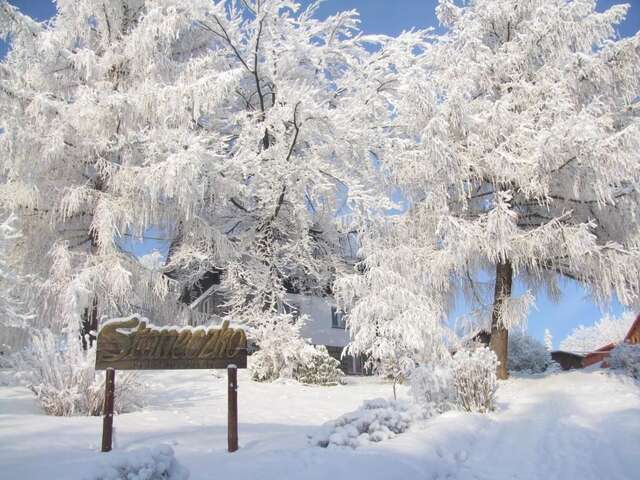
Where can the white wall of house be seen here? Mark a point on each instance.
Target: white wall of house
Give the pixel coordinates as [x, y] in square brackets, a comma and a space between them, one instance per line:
[318, 328]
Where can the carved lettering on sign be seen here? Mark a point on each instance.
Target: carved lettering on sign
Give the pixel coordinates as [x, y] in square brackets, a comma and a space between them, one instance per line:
[131, 344]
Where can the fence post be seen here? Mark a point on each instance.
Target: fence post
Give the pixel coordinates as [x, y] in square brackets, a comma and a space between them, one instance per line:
[107, 420]
[232, 426]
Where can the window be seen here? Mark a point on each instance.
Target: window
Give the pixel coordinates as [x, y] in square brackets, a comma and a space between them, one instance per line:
[337, 318]
[208, 305]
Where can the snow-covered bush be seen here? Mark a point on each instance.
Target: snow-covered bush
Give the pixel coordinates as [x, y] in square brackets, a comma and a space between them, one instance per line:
[284, 354]
[526, 354]
[64, 380]
[474, 379]
[468, 381]
[157, 463]
[626, 357]
[279, 344]
[318, 367]
[308, 364]
[374, 421]
[432, 387]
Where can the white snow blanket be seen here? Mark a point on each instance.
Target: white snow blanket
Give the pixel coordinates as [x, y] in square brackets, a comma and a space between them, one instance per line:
[582, 425]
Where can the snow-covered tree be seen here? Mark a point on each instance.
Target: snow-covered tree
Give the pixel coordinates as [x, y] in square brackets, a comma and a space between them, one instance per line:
[518, 151]
[15, 291]
[626, 356]
[14, 308]
[242, 129]
[527, 354]
[548, 340]
[304, 125]
[100, 110]
[605, 331]
[152, 261]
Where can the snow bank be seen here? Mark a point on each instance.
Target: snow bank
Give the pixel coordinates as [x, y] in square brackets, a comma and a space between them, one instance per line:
[157, 463]
[375, 421]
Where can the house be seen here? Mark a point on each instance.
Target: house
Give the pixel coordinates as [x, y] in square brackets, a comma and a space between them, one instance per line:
[325, 325]
[568, 360]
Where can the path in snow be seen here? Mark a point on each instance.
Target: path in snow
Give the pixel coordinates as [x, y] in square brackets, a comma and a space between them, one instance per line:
[576, 425]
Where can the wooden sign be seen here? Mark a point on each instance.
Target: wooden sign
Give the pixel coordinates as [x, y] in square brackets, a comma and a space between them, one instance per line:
[131, 344]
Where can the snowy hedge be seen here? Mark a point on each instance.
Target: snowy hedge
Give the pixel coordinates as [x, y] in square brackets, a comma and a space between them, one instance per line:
[467, 381]
[157, 463]
[526, 354]
[284, 354]
[317, 367]
[374, 421]
[308, 364]
[432, 387]
[63, 378]
[626, 357]
[474, 379]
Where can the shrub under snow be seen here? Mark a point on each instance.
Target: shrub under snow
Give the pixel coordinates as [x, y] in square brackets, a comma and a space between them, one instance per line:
[474, 379]
[526, 354]
[65, 382]
[626, 357]
[284, 354]
[375, 421]
[432, 387]
[157, 463]
[318, 367]
[468, 381]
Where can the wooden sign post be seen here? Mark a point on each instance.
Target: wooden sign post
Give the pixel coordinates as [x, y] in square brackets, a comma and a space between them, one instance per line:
[131, 344]
[232, 408]
[107, 421]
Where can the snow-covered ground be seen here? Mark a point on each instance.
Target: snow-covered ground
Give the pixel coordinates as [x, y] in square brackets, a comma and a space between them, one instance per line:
[576, 425]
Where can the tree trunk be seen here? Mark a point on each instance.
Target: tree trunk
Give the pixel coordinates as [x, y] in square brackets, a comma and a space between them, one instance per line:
[89, 327]
[90, 315]
[499, 334]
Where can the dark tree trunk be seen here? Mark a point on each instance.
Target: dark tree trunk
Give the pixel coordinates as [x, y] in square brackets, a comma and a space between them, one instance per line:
[499, 334]
[89, 327]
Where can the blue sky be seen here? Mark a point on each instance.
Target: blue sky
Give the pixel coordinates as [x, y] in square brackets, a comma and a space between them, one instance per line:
[392, 17]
